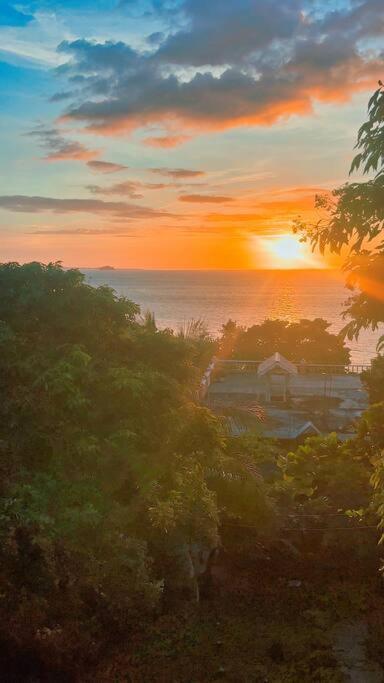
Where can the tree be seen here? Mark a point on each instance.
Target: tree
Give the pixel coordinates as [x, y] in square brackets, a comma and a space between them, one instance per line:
[374, 379]
[327, 472]
[230, 333]
[326, 497]
[95, 419]
[371, 429]
[307, 340]
[354, 220]
[105, 463]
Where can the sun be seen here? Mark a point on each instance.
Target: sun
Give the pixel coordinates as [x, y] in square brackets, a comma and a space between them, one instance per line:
[286, 251]
[286, 248]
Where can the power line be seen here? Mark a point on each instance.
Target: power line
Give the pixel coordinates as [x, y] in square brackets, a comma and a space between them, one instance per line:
[340, 528]
[335, 528]
[318, 514]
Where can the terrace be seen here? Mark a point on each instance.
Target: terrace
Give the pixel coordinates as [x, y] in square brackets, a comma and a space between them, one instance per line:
[285, 400]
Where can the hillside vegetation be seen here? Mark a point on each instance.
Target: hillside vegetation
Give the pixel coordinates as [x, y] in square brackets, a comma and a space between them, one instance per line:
[123, 501]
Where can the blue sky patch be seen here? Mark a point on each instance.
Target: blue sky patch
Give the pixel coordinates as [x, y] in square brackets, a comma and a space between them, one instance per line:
[10, 16]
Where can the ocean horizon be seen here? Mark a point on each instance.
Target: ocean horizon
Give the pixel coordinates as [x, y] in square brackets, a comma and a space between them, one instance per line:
[247, 296]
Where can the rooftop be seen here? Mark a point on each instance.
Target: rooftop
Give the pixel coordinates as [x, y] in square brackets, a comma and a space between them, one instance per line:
[314, 403]
[276, 363]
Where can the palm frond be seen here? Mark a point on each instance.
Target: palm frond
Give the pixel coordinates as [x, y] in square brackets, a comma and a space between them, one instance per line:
[148, 321]
[193, 329]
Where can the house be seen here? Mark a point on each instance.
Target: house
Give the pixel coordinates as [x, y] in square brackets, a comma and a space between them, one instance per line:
[275, 397]
[275, 372]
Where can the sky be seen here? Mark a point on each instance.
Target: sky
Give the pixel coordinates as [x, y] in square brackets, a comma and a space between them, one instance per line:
[178, 133]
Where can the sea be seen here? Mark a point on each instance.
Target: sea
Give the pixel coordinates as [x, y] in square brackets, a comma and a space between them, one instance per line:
[248, 297]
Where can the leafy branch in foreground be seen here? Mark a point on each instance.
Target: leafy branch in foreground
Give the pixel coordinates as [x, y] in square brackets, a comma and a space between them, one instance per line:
[354, 224]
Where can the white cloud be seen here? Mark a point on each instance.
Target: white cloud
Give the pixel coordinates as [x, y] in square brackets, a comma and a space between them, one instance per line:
[36, 42]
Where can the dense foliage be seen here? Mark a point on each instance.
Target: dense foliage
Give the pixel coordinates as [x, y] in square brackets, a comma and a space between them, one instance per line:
[307, 340]
[118, 488]
[354, 220]
[374, 379]
[113, 479]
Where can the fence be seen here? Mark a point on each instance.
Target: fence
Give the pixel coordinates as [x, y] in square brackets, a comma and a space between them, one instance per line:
[303, 367]
[236, 366]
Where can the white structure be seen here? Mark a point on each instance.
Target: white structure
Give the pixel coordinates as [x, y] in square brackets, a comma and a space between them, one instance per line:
[206, 380]
[296, 399]
[276, 372]
[308, 429]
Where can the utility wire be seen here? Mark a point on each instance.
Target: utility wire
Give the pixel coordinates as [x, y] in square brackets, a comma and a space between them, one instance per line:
[340, 528]
[319, 514]
[336, 528]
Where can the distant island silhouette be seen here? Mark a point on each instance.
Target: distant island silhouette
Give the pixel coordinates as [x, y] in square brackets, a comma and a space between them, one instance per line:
[106, 268]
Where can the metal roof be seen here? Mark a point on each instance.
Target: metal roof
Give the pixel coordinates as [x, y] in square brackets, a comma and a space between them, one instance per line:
[276, 362]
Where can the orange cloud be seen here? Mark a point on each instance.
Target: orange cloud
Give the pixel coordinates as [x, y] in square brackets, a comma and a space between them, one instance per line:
[178, 173]
[204, 199]
[166, 141]
[75, 153]
[274, 211]
[105, 166]
[59, 147]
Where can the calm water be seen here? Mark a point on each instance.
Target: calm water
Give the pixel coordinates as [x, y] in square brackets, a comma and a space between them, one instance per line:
[245, 296]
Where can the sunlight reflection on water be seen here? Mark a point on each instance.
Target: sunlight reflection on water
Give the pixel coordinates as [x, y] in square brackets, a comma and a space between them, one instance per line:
[284, 305]
[248, 297]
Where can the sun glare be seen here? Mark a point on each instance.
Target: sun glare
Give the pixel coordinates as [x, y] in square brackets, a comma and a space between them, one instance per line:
[286, 251]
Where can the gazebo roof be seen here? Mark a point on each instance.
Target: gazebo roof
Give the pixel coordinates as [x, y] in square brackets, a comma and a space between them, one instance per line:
[308, 429]
[276, 362]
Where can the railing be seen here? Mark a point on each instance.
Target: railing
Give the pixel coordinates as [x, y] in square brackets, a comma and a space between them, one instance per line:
[303, 368]
[237, 365]
[252, 365]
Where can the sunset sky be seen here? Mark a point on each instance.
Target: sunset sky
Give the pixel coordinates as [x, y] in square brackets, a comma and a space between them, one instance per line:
[177, 133]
